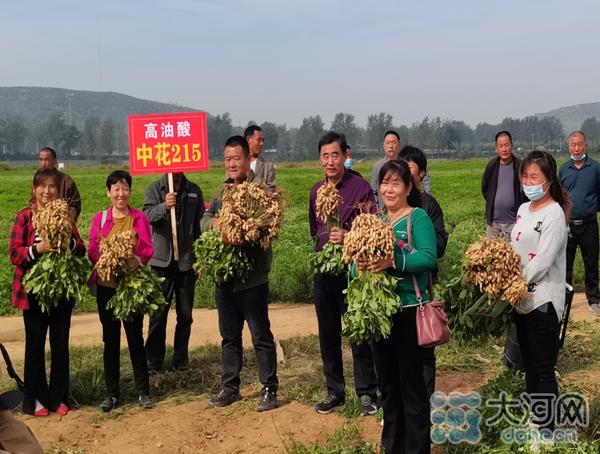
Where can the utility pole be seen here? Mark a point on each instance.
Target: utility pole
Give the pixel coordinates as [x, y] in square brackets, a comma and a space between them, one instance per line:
[532, 141]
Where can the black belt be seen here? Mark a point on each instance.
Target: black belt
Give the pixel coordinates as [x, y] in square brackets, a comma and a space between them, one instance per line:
[590, 218]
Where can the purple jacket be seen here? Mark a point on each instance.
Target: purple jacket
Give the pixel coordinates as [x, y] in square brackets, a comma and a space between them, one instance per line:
[357, 196]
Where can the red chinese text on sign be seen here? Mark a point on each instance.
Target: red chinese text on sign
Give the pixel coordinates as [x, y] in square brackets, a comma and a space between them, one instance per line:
[170, 142]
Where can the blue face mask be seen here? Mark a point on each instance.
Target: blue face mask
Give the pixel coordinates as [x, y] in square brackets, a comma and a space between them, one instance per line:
[348, 163]
[581, 158]
[535, 192]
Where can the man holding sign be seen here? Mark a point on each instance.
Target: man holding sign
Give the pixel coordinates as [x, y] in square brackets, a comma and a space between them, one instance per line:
[170, 144]
[180, 279]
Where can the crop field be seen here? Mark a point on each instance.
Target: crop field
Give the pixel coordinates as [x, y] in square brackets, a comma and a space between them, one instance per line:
[456, 186]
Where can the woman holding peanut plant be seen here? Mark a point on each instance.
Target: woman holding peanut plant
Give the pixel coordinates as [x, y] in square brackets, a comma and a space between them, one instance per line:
[540, 237]
[31, 241]
[118, 225]
[398, 358]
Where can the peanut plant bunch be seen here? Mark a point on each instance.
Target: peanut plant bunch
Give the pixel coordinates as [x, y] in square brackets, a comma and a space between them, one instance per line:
[370, 239]
[495, 269]
[114, 252]
[327, 205]
[372, 301]
[251, 213]
[53, 224]
[329, 260]
[371, 297]
[138, 291]
[57, 275]
[219, 261]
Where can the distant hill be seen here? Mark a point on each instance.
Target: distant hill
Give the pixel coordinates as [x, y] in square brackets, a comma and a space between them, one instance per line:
[35, 103]
[571, 117]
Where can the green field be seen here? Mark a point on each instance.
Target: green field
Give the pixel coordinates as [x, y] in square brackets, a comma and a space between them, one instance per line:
[456, 185]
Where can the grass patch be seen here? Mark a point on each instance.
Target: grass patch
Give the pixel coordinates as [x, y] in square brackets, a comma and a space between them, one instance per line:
[471, 357]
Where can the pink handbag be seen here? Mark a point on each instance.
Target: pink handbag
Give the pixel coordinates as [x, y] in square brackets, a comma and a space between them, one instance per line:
[432, 321]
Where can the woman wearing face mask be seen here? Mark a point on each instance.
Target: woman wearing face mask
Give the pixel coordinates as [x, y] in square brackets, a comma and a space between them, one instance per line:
[540, 238]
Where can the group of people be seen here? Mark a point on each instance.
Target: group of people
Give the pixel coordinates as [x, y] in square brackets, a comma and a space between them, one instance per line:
[544, 231]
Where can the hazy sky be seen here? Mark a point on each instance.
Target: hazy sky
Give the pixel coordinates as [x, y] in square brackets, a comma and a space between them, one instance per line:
[478, 60]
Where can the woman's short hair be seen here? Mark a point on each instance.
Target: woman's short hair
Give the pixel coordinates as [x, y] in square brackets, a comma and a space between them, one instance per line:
[116, 176]
[400, 169]
[44, 173]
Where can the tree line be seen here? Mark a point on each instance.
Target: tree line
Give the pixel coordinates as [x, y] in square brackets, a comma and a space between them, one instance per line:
[100, 138]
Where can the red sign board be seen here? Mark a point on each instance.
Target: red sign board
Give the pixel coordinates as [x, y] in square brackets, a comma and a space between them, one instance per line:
[170, 142]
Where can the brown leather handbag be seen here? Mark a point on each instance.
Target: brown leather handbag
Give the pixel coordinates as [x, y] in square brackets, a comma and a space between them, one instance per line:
[432, 321]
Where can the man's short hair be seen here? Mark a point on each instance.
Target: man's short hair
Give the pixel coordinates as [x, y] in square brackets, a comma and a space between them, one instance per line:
[391, 131]
[503, 133]
[577, 133]
[332, 137]
[239, 141]
[118, 175]
[250, 130]
[51, 150]
[414, 154]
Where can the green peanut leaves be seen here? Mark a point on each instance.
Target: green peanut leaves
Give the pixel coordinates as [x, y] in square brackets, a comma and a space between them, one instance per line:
[372, 301]
[329, 260]
[139, 292]
[220, 261]
[57, 276]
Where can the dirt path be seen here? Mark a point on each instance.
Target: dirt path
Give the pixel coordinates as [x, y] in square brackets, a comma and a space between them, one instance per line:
[287, 320]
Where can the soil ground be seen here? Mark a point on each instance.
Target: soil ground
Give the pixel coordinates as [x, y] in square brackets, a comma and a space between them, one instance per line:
[189, 426]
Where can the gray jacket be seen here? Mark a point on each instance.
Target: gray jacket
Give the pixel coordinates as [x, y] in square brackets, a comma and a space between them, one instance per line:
[261, 259]
[188, 224]
[265, 171]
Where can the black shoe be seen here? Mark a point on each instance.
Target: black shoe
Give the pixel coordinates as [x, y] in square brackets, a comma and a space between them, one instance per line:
[181, 367]
[330, 404]
[268, 401]
[367, 405]
[145, 401]
[108, 404]
[224, 398]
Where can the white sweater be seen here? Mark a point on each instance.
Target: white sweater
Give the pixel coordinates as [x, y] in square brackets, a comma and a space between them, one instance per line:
[540, 239]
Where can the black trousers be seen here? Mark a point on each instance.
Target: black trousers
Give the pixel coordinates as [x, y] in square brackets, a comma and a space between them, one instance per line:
[586, 237]
[330, 305]
[233, 308]
[538, 334]
[182, 285]
[429, 370]
[406, 408]
[37, 325]
[111, 336]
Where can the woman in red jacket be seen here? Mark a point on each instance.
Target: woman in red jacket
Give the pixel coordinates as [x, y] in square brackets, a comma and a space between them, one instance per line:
[25, 248]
